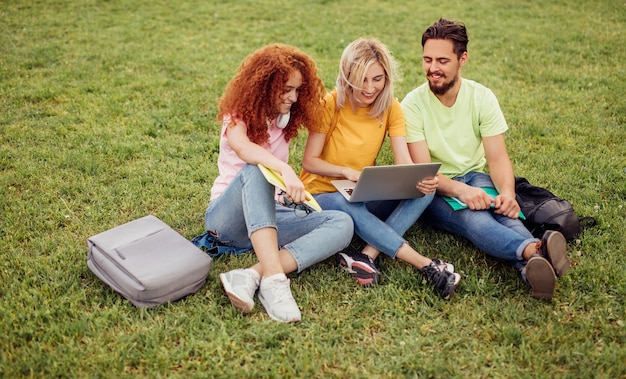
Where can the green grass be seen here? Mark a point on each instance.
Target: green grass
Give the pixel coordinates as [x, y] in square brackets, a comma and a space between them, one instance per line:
[107, 113]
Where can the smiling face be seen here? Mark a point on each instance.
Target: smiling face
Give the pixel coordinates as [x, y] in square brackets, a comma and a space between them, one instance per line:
[290, 94]
[373, 84]
[441, 65]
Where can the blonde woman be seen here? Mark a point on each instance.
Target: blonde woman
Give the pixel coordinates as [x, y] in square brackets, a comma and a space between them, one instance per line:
[359, 113]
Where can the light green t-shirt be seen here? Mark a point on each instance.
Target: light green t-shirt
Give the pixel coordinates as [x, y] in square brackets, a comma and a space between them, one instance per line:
[454, 134]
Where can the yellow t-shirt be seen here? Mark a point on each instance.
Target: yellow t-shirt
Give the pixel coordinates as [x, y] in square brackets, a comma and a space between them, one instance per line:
[355, 141]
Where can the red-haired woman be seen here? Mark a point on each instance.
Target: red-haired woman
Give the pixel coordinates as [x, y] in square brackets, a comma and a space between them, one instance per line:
[275, 93]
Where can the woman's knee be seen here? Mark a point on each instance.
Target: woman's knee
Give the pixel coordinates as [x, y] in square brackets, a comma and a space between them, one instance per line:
[340, 225]
[251, 173]
[345, 223]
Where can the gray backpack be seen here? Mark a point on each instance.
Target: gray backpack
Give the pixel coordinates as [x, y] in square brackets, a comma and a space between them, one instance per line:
[147, 262]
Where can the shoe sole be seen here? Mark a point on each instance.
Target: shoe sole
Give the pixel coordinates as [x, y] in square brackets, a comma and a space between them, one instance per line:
[275, 318]
[272, 316]
[364, 274]
[453, 282]
[540, 276]
[238, 302]
[556, 246]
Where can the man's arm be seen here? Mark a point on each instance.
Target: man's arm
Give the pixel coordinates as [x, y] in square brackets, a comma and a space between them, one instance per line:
[501, 172]
[444, 185]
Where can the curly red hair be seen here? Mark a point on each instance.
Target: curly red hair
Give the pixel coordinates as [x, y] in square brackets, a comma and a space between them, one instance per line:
[251, 96]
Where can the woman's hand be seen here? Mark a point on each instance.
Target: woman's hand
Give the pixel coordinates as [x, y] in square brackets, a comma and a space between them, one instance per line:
[295, 188]
[428, 185]
[350, 174]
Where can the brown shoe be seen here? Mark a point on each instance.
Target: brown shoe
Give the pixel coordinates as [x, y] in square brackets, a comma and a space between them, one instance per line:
[540, 276]
[554, 247]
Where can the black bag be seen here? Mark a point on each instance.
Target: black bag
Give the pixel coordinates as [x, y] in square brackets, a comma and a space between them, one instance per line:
[546, 211]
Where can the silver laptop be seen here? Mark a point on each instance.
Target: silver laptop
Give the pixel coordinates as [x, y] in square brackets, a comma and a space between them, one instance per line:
[391, 182]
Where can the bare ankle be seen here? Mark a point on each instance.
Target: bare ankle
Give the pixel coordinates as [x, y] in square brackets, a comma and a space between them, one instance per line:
[530, 250]
[370, 251]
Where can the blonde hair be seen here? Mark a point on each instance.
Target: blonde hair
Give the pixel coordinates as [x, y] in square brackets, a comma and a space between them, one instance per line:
[356, 59]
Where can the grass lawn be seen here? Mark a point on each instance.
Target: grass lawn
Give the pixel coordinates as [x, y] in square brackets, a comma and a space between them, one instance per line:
[107, 114]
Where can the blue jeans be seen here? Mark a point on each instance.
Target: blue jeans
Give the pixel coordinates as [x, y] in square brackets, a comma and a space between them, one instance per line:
[499, 236]
[248, 204]
[380, 224]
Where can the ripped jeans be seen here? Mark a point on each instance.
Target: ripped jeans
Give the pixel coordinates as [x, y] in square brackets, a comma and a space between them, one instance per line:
[248, 204]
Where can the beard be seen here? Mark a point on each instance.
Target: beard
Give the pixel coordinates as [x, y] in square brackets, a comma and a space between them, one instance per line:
[443, 88]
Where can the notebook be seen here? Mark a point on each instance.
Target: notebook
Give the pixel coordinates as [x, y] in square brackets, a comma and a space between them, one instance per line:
[274, 178]
[392, 182]
[457, 204]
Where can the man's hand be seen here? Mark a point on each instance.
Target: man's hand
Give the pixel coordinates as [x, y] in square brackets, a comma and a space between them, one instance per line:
[506, 205]
[476, 199]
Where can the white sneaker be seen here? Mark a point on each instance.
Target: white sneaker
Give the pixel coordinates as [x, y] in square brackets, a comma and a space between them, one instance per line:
[275, 295]
[240, 286]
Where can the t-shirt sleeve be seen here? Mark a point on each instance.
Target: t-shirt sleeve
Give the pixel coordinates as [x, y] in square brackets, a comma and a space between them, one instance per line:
[414, 121]
[491, 118]
[396, 120]
[329, 106]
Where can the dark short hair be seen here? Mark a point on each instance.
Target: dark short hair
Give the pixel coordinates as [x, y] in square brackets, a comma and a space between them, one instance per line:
[448, 29]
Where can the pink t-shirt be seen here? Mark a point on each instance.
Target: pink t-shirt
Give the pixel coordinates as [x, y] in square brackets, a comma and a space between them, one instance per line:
[229, 163]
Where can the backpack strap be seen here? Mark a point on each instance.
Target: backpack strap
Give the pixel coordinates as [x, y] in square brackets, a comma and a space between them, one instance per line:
[587, 222]
[209, 243]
